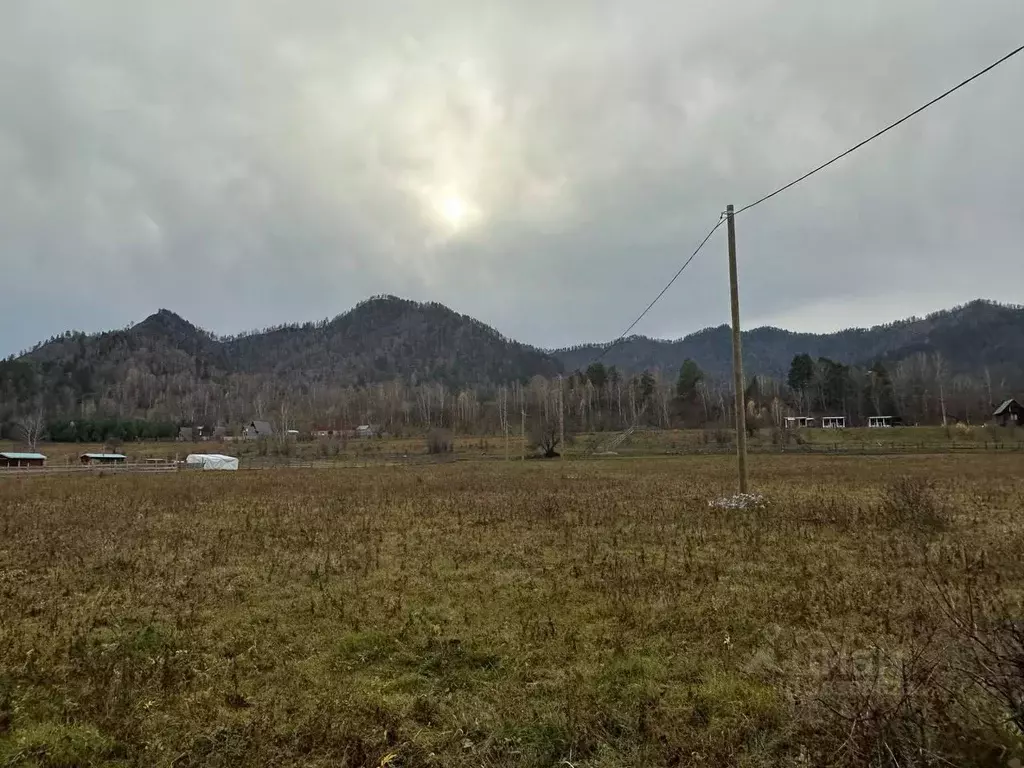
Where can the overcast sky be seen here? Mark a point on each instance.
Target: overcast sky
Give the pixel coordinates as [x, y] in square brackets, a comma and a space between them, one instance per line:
[543, 166]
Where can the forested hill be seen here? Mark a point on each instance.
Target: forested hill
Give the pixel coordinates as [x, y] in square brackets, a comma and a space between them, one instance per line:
[165, 367]
[165, 358]
[970, 339]
[390, 338]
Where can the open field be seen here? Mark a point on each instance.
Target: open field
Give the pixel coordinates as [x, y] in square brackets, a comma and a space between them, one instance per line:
[592, 613]
[644, 442]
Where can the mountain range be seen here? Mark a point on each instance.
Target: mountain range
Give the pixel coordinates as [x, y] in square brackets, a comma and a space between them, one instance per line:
[388, 338]
[970, 338]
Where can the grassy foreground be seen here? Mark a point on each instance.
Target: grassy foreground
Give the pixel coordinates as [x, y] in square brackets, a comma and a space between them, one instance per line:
[538, 614]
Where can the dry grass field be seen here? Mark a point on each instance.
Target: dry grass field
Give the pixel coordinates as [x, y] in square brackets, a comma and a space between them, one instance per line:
[575, 613]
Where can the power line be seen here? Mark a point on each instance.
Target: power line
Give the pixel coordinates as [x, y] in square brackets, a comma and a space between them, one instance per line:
[796, 181]
[657, 298]
[885, 130]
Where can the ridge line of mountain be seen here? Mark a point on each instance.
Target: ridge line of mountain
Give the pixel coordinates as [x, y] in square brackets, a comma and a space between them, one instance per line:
[386, 337]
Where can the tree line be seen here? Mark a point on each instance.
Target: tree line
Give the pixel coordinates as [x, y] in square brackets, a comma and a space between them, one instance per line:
[919, 390]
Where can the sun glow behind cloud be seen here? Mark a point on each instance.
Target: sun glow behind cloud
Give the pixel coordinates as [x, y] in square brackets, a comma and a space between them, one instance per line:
[454, 210]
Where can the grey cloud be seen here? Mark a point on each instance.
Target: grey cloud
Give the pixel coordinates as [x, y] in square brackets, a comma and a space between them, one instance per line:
[248, 163]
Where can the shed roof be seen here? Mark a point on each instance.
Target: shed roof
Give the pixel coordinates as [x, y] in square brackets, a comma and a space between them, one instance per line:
[104, 455]
[262, 427]
[1005, 407]
[16, 456]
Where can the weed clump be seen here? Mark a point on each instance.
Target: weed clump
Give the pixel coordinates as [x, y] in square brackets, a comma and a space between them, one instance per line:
[913, 503]
[53, 745]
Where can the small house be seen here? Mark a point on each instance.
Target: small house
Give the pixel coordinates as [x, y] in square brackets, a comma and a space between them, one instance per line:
[103, 458]
[799, 422]
[833, 422]
[16, 459]
[366, 430]
[185, 434]
[1009, 414]
[257, 430]
[879, 422]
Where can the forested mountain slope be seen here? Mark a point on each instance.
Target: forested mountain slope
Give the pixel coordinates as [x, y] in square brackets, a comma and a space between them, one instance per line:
[970, 338]
[163, 360]
[164, 367]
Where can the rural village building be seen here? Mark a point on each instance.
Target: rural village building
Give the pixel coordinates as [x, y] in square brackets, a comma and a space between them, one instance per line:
[799, 422]
[17, 459]
[256, 430]
[103, 458]
[1009, 413]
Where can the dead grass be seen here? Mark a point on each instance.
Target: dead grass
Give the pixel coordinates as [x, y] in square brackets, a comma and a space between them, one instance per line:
[538, 614]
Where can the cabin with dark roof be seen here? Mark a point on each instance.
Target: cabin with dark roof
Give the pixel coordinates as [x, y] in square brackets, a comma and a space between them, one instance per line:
[257, 430]
[103, 458]
[1009, 414]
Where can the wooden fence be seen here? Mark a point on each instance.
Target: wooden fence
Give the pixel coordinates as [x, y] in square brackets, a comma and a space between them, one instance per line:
[849, 448]
[90, 469]
[866, 448]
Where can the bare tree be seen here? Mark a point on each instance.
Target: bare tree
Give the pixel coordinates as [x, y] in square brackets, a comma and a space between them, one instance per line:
[29, 429]
[901, 381]
[940, 380]
[503, 414]
[544, 436]
[702, 392]
[286, 422]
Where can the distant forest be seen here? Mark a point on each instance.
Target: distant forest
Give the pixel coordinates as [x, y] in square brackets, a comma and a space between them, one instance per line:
[405, 366]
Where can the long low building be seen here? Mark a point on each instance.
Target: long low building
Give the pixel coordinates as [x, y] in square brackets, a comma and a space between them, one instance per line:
[18, 459]
[103, 458]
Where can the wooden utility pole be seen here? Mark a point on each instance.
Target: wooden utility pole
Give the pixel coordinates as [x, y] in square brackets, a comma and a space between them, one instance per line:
[737, 354]
[561, 418]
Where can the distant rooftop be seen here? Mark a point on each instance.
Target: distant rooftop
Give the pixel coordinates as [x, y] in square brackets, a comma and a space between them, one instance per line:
[104, 455]
[15, 456]
[1004, 407]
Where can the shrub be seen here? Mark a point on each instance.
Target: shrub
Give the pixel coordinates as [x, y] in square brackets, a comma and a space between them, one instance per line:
[985, 627]
[889, 709]
[964, 431]
[912, 502]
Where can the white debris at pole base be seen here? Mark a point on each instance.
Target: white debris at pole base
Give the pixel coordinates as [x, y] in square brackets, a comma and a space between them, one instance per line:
[740, 501]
